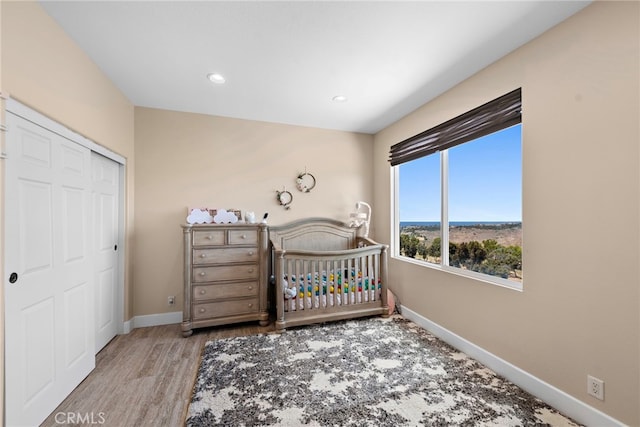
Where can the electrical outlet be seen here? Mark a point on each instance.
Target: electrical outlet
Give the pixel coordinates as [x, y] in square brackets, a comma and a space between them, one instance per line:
[171, 300]
[595, 387]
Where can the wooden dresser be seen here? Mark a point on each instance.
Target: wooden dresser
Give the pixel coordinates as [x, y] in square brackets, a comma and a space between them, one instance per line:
[225, 275]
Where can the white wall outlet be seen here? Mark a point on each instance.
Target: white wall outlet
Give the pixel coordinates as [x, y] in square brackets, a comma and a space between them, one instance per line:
[595, 387]
[171, 300]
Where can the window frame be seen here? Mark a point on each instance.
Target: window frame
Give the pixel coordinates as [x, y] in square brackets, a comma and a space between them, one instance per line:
[444, 195]
[395, 244]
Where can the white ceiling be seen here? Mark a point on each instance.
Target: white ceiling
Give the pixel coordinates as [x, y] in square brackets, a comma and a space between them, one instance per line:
[284, 61]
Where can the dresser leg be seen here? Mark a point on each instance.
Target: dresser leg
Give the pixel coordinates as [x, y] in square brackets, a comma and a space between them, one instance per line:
[186, 329]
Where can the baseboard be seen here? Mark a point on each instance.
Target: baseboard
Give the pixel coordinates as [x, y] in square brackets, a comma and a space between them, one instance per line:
[553, 396]
[152, 320]
[126, 326]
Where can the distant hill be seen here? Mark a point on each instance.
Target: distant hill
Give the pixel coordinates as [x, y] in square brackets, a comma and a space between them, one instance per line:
[506, 234]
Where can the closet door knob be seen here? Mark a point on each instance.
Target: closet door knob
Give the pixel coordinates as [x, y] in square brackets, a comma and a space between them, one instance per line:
[13, 277]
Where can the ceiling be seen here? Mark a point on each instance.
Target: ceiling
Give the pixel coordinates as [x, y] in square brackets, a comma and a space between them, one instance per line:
[284, 61]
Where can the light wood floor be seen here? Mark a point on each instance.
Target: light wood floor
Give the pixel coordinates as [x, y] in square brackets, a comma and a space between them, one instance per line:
[144, 378]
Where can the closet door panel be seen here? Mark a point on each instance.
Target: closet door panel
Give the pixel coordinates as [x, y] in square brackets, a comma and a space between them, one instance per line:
[49, 326]
[106, 196]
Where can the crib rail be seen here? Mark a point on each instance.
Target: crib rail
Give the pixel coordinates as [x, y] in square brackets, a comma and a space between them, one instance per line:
[314, 287]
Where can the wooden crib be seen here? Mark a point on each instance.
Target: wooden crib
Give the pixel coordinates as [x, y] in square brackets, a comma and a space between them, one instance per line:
[325, 271]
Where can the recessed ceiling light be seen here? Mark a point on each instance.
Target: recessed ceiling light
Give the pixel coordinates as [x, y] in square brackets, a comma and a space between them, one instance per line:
[339, 98]
[216, 78]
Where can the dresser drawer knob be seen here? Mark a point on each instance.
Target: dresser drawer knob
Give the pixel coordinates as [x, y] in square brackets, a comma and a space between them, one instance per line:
[250, 305]
[202, 292]
[202, 274]
[203, 255]
[210, 237]
[250, 270]
[202, 310]
[250, 253]
[250, 288]
[244, 236]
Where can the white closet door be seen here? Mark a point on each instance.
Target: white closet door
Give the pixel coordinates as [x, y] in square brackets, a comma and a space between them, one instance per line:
[49, 318]
[106, 185]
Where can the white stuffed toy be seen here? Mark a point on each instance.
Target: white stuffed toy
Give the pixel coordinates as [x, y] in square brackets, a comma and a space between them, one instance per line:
[288, 292]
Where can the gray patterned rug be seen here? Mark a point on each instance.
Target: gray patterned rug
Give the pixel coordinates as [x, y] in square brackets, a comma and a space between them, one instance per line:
[367, 372]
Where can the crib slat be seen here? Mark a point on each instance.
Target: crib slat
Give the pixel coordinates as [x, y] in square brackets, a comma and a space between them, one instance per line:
[296, 275]
[315, 268]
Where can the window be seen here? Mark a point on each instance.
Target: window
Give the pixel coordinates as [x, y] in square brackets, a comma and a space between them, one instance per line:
[464, 192]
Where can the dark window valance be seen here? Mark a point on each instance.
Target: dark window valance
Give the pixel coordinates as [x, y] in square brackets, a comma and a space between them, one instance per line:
[491, 117]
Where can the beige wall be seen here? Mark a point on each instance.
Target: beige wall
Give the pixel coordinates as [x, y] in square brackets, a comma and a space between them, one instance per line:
[45, 70]
[191, 160]
[579, 312]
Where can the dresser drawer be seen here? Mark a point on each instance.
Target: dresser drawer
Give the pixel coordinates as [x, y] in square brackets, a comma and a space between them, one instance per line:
[243, 237]
[226, 308]
[208, 237]
[225, 255]
[225, 272]
[225, 290]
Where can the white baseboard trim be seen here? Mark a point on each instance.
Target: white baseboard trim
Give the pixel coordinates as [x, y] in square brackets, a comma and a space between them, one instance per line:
[152, 320]
[553, 396]
[126, 327]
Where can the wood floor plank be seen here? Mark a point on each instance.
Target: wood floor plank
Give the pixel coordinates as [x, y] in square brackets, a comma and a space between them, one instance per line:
[145, 378]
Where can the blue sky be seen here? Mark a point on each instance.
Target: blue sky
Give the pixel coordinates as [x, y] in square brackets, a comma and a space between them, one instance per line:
[485, 181]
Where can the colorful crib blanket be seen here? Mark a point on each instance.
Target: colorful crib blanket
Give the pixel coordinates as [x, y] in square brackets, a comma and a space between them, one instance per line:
[329, 289]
